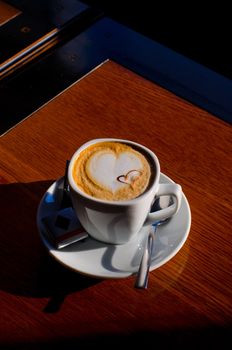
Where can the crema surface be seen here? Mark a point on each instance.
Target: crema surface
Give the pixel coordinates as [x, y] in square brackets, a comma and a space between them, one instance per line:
[112, 171]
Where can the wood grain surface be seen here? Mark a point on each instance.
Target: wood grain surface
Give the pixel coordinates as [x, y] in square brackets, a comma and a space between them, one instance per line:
[189, 299]
[7, 12]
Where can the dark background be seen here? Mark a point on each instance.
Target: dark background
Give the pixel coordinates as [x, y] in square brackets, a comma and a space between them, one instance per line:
[197, 30]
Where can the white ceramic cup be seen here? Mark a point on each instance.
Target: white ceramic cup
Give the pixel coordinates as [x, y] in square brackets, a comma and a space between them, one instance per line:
[117, 222]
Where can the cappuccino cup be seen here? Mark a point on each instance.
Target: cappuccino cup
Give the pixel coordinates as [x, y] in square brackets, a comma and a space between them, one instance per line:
[113, 184]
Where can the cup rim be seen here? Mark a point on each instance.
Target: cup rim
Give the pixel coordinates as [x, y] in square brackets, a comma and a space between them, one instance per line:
[108, 202]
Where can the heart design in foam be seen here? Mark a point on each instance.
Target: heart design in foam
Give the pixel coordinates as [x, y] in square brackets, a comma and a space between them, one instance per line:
[112, 171]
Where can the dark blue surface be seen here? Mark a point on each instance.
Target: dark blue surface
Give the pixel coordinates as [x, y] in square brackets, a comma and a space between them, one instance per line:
[57, 70]
[184, 77]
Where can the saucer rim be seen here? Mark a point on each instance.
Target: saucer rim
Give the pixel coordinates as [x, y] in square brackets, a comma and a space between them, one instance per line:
[154, 265]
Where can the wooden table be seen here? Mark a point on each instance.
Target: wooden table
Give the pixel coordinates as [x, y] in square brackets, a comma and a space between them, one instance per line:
[189, 298]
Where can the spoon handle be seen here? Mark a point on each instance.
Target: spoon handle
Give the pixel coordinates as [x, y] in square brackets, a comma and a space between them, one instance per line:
[143, 272]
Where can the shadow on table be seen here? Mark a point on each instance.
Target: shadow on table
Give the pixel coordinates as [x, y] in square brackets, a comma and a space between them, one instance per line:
[26, 267]
[183, 338]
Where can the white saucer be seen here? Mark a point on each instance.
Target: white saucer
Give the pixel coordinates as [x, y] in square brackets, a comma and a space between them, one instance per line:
[103, 260]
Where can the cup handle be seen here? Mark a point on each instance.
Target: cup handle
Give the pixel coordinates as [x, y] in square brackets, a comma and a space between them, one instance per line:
[166, 190]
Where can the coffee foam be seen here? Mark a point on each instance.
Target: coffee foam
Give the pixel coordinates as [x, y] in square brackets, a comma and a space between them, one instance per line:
[111, 171]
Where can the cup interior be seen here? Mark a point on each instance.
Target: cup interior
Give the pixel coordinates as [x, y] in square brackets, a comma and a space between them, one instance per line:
[150, 156]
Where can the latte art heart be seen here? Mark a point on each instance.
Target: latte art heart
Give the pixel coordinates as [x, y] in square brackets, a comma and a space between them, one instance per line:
[112, 171]
[106, 169]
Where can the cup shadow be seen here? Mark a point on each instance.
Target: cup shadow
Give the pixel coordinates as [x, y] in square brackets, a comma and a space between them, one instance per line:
[26, 267]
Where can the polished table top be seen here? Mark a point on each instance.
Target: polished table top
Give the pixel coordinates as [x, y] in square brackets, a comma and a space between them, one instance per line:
[189, 297]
